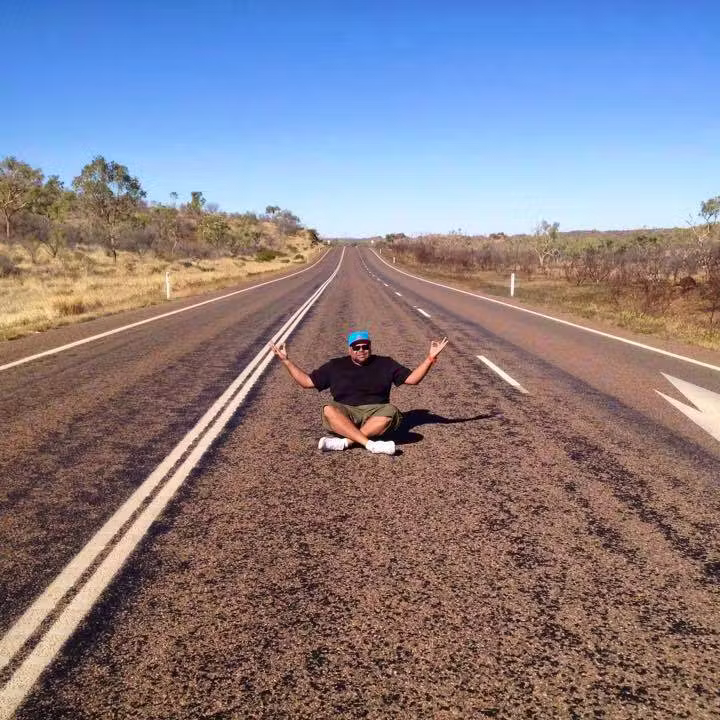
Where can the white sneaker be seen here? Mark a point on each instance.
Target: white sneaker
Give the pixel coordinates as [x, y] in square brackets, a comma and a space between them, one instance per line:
[386, 447]
[332, 443]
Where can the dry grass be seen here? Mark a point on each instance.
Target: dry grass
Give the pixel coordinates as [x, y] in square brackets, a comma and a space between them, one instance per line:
[85, 283]
[686, 319]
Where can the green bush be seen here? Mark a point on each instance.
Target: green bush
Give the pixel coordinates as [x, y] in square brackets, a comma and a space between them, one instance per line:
[266, 255]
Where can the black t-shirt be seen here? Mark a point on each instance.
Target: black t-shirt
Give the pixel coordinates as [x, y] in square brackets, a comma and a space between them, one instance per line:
[353, 384]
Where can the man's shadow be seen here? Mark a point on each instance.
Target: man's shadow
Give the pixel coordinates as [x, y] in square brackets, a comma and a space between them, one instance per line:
[404, 435]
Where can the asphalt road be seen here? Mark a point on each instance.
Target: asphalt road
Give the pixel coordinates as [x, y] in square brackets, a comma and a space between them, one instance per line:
[548, 554]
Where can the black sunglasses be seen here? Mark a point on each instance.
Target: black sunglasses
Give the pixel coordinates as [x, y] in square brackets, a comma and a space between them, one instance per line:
[360, 348]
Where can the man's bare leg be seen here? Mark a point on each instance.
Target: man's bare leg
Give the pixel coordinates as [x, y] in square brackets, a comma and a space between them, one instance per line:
[375, 426]
[342, 425]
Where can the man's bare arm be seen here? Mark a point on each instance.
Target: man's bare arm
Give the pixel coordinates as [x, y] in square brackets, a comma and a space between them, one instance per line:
[296, 373]
[436, 347]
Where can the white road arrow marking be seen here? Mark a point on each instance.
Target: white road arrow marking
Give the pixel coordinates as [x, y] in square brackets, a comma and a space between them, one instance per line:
[706, 412]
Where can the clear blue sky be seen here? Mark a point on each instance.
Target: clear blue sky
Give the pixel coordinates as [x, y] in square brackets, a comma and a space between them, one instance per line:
[372, 117]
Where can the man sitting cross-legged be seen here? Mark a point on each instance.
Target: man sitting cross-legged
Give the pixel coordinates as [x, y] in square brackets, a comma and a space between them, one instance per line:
[360, 385]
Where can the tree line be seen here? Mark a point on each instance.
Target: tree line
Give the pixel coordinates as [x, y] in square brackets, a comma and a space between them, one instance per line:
[107, 206]
[654, 266]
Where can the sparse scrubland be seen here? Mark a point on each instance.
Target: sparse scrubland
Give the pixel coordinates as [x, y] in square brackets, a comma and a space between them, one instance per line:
[663, 282]
[69, 254]
[73, 254]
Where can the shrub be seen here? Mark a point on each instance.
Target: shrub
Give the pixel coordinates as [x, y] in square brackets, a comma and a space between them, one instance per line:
[8, 266]
[67, 308]
[266, 255]
[686, 284]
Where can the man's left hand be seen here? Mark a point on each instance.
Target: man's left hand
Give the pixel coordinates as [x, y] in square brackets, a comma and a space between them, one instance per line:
[436, 347]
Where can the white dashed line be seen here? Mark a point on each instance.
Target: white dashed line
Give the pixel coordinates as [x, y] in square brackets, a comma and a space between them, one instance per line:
[422, 312]
[503, 374]
[398, 294]
[557, 320]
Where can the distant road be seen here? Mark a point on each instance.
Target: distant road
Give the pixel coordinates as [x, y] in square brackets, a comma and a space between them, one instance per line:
[545, 544]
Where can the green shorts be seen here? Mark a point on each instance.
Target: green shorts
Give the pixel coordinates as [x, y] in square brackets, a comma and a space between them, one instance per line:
[358, 414]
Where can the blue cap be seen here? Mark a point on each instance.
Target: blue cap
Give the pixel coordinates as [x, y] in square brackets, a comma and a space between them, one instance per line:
[359, 335]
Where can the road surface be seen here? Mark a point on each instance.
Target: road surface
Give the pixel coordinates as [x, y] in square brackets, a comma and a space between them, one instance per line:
[547, 549]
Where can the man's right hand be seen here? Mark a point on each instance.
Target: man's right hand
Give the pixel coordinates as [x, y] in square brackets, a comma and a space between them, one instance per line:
[297, 374]
[280, 350]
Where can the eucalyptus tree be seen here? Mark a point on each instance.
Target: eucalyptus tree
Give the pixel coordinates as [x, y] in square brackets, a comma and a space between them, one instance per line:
[19, 187]
[286, 222]
[53, 203]
[214, 230]
[545, 243]
[311, 234]
[110, 195]
[166, 227]
[197, 203]
[706, 232]
[710, 233]
[710, 212]
[246, 233]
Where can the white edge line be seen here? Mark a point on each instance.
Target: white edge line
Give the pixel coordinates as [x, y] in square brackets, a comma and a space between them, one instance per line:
[92, 338]
[667, 353]
[14, 692]
[503, 374]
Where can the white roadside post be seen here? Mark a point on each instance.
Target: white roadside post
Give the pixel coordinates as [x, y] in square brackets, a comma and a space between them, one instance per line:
[393, 259]
[512, 284]
[167, 284]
